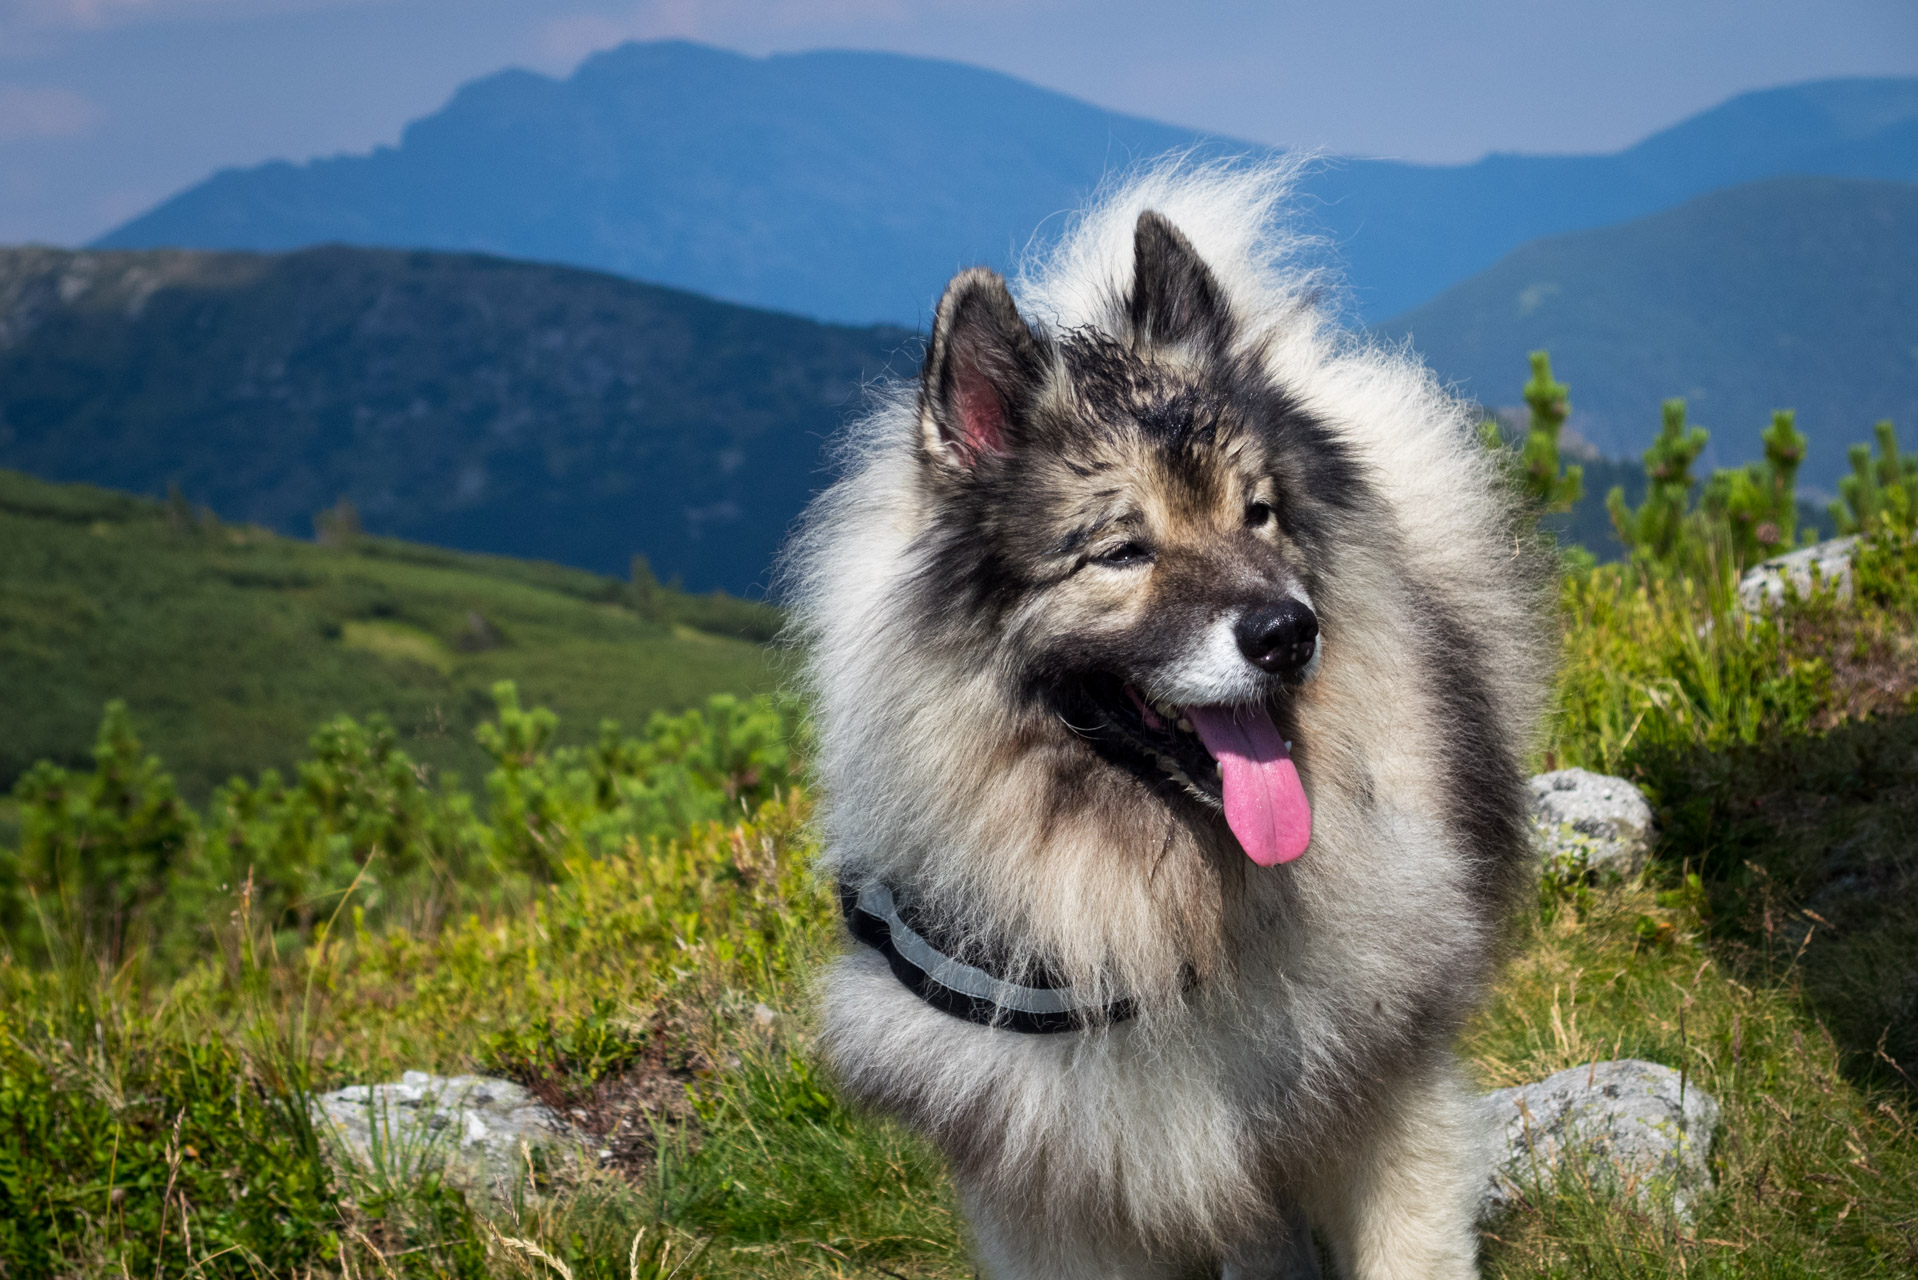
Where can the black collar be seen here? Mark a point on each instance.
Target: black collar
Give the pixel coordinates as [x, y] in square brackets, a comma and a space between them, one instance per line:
[921, 957]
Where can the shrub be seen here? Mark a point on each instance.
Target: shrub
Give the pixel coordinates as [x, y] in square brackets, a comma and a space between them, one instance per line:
[1878, 491]
[96, 849]
[1756, 506]
[114, 855]
[1548, 402]
[1656, 530]
[700, 766]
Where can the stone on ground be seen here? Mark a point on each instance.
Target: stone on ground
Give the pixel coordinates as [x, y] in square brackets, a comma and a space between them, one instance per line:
[1764, 584]
[1622, 1125]
[473, 1127]
[1600, 820]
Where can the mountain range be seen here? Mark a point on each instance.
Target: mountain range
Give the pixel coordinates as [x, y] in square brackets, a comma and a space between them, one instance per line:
[1789, 293]
[581, 417]
[510, 407]
[849, 186]
[576, 415]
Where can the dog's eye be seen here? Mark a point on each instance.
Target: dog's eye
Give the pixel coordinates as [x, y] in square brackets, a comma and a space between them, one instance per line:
[1124, 555]
[1258, 515]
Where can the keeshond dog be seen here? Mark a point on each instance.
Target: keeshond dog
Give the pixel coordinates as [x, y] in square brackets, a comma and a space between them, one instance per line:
[1174, 656]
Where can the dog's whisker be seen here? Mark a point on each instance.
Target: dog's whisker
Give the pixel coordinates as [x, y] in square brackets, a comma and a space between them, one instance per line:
[1083, 733]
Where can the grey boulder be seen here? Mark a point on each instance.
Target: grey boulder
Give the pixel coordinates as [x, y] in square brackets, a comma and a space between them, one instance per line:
[1829, 563]
[474, 1128]
[1595, 820]
[1625, 1128]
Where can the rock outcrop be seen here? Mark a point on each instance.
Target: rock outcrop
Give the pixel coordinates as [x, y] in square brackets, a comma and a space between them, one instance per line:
[1626, 1128]
[1602, 821]
[475, 1127]
[1827, 564]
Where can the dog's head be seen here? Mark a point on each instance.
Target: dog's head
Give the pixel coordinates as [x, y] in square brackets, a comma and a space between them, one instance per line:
[1134, 521]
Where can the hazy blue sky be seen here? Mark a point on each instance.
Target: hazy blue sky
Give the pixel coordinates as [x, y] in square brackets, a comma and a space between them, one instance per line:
[108, 105]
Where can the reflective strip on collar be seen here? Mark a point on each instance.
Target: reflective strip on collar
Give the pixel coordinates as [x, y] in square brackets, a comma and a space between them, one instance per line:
[876, 900]
[960, 989]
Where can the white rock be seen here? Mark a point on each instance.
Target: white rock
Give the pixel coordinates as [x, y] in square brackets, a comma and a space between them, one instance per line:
[1604, 821]
[1764, 584]
[1621, 1124]
[472, 1127]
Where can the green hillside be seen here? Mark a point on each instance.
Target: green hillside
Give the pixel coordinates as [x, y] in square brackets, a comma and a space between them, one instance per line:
[515, 408]
[1790, 293]
[230, 644]
[176, 984]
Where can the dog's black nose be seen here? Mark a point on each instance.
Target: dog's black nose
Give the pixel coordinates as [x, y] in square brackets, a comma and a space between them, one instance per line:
[1278, 637]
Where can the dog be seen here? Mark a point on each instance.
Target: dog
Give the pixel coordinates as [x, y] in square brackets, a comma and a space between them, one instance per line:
[1174, 655]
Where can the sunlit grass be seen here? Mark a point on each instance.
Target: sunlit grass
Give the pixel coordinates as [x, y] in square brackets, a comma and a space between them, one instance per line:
[1816, 1174]
[1770, 953]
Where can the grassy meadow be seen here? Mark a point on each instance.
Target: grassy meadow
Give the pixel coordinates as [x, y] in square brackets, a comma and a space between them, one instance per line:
[230, 644]
[627, 925]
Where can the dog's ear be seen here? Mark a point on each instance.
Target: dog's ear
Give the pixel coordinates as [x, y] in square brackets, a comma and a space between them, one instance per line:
[1175, 298]
[983, 367]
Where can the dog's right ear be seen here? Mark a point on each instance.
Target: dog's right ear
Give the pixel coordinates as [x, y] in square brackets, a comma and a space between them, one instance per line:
[1175, 297]
[983, 367]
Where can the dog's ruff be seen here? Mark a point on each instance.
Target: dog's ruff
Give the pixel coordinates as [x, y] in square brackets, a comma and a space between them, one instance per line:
[1152, 570]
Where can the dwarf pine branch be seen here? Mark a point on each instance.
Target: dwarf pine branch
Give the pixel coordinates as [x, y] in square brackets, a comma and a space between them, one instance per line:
[1880, 491]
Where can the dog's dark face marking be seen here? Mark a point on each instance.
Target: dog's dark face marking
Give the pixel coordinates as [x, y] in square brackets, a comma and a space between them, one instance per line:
[1132, 524]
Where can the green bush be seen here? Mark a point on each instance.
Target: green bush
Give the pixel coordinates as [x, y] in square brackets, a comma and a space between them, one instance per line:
[359, 813]
[1656, 529]
[98, 849]
[1878, 491]
[1548, 487]
[125, 1144]
[1755, 507]
[697, 767]
[112, 860]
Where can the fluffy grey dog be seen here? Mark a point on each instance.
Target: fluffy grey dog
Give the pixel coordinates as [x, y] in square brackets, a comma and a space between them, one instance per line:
[1175, 654]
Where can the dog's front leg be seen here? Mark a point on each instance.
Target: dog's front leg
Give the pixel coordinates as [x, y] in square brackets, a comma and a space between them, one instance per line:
[1287, 1254]
[1403, 1206]
[1025, 1241]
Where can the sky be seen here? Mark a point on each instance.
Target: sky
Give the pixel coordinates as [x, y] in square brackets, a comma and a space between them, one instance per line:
[108, 106]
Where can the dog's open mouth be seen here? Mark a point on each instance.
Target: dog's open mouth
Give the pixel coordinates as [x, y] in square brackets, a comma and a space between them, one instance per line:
[1228, 757]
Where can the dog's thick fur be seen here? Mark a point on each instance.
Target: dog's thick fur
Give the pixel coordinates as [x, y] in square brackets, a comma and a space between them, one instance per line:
[1162, 432]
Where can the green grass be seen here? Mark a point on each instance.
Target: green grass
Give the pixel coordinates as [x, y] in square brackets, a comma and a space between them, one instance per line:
[1816, 1168]
[230, 644]
[1770, 952]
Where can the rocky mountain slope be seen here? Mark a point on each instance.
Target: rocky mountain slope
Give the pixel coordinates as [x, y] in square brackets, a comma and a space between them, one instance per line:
[1790, 293]
[497, 406]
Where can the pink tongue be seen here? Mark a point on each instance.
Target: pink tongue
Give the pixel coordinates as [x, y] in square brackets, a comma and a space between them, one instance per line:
[1265, 803]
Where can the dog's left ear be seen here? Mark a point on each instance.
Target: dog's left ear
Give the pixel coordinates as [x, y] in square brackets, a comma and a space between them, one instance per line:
[1175, 298]
[983, 367]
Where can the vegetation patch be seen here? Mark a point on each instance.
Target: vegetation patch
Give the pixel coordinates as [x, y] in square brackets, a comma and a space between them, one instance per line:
[399, 643]
[228, 644]
[626, 924]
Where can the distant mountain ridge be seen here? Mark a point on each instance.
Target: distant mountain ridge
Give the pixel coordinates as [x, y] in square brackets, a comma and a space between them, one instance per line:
[1409, 232]
[840, 185]
[850, 185]
[1790, 293]
[580, 417]
[509, 407]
